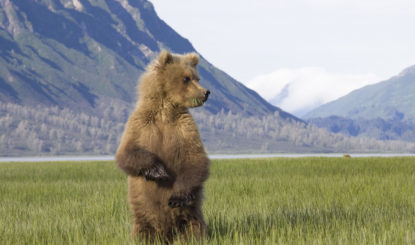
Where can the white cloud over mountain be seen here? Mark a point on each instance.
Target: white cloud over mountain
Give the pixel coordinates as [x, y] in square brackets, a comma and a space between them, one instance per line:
[298, 91]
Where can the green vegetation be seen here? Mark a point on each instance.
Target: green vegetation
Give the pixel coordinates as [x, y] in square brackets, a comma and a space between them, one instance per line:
[266, 201]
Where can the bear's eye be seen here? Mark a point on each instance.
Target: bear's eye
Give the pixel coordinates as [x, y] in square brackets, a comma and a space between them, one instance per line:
[186, 79]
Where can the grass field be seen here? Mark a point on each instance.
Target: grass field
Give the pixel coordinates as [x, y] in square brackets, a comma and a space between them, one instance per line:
[264, 201]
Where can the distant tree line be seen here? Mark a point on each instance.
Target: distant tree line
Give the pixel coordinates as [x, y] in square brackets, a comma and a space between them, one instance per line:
[52, 131]
[273, 133]
[392, 129]
[43, 130]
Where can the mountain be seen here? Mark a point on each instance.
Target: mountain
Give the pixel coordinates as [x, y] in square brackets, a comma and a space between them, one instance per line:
[393, 99]
[68, 76]
[86, 55]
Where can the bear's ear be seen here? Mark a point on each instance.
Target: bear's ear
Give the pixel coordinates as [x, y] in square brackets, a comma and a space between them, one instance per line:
[165, 58]
[192, 58]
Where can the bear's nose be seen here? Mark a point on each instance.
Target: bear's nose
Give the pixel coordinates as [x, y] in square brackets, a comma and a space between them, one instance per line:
[207, 94]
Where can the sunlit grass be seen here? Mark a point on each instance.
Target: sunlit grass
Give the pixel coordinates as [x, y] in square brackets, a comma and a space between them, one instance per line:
[264, 201]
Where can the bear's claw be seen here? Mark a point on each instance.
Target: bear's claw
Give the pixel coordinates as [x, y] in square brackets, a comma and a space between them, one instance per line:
[155, 172]
[181, 200]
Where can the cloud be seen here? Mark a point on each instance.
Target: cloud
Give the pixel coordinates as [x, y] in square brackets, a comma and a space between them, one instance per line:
[298, 91]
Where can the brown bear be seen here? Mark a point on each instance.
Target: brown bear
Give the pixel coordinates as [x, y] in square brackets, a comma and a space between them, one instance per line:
[162, 153]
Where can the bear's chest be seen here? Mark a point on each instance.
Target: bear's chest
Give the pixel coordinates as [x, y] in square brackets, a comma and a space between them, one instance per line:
[179, 141]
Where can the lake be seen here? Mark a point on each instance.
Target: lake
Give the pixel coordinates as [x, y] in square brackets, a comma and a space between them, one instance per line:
[212, 156]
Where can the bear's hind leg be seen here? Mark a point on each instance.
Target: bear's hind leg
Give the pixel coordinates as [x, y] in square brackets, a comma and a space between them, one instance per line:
[191, 230]
[196, 230]
[146, 234]
[143, 232]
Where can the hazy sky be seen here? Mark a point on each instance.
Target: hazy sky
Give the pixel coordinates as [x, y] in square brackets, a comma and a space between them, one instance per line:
[299, 54]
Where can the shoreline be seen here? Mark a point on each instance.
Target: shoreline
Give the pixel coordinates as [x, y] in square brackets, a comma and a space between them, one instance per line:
[211, 156]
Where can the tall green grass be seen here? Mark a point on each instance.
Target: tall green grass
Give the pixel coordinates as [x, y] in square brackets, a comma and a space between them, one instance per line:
[262, 201]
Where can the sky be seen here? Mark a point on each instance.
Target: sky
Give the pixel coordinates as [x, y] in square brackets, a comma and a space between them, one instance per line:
[299, 54]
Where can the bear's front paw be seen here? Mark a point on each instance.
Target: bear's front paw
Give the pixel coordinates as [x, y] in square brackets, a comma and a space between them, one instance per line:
[155, 172]
[181, 200]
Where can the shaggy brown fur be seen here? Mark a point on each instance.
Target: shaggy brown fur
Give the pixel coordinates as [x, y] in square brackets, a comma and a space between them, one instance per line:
[162, 153]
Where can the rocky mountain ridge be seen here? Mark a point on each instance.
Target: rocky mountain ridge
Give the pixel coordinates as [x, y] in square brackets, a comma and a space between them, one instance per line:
[86, 55]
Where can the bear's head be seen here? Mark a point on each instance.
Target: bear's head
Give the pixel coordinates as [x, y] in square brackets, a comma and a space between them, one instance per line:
[179, 79]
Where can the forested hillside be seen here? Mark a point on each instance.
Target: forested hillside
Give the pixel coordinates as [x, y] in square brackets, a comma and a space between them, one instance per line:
[53, 131]
[371, 128]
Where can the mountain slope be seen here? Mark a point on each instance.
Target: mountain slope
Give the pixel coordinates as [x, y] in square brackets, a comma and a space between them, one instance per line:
[86, 55]
[393, 99]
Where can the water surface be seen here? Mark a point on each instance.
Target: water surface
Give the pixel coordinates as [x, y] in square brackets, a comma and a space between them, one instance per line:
[212, 156]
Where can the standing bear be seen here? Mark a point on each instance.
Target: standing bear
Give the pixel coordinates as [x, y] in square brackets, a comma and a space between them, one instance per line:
[162, 154]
